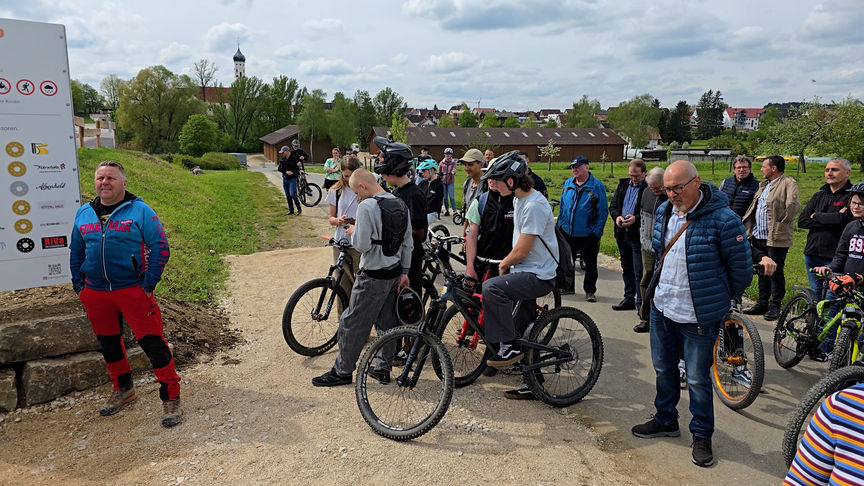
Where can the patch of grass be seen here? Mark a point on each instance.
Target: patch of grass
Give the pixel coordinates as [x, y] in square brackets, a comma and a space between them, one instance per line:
[229, 212]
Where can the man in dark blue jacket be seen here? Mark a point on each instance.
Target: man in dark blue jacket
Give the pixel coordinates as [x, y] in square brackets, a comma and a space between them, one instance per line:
[625, 211]
[741, 187]
[582, 216]
[707, 266]
[118, 251]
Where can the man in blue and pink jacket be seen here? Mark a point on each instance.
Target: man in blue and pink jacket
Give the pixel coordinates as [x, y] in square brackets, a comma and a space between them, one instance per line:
[118, 253]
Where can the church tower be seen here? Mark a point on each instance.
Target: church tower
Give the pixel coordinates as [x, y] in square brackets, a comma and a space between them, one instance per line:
[239, 64]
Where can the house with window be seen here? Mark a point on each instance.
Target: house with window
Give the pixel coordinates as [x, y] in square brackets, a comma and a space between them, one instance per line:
[742, 119]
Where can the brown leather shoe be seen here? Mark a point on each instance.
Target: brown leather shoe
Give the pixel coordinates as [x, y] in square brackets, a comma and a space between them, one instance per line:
[116, 401]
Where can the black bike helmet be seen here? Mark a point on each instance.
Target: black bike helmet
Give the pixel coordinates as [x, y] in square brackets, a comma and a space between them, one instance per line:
[857, 189]
[506, 166]
[409, 307]
[397, 157]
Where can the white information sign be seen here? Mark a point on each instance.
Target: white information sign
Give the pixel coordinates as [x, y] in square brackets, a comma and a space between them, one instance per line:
[39, 191]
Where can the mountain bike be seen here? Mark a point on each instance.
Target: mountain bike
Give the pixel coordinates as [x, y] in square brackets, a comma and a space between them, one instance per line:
[308, 192]
[563, 358]
[309, 321]
[739, 361]
[805, 323]
[809, 405]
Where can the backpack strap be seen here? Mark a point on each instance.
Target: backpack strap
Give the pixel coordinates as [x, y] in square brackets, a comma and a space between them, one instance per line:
[481, 202]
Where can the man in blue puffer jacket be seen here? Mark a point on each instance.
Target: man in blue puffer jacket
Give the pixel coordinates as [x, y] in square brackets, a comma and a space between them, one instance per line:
[693, 285]
[582, 216]
[118, 251]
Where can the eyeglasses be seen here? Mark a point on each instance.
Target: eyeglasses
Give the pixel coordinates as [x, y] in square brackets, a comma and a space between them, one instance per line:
[853, 204]
[680, 188]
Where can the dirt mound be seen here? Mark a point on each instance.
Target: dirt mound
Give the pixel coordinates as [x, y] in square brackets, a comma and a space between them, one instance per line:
[195, 331]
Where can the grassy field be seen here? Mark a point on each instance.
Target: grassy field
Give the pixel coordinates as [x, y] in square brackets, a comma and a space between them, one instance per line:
[229, 212]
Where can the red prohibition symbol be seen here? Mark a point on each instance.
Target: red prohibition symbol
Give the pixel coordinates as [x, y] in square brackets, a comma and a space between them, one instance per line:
[5, 87]
[25, 87]
[48, 88]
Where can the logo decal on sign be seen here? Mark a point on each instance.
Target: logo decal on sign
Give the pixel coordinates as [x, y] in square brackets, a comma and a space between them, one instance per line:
[51, 242]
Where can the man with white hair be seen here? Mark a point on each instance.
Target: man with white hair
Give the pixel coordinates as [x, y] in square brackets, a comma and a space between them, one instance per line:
[650, 200]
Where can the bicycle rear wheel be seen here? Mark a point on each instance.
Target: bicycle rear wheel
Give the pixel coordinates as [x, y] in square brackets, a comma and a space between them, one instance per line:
[308, 326]
[842, 354]
[310, 196]
[575, 335]
[458, 218]
[739, 363]
[466, 349]
[797, 424]
[552, 300]
[407, 411]
[796, 320]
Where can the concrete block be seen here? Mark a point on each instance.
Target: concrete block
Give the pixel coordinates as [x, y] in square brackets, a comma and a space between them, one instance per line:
[8, 390]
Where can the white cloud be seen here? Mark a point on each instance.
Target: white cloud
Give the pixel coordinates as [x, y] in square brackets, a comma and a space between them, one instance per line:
[450, 62]
[835, 21]
[324, 25]
[223, 36]
[501, 14]
[290, 51]
[400, 59]
[322, 66]
[174, 53]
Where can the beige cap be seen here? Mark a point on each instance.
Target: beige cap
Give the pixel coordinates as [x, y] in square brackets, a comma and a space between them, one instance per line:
[472, 155]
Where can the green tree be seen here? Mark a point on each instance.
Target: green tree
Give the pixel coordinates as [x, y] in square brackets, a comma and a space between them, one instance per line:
[512, 122]
[709, 115]
[663, 125]
[806, 127]
[313, 118]
[199, 135]
[551, 123]
[366, 118]
[846, 137]
[467, 118]
[769, 118]
[398, 128]
[237, 111]
[583, 114]
[154, 106]
[386, 103]
[530, 122]
[342, 121]
[110, 89]
[279, 102]
[635, 119]
[490, 121]
[550, 151]
[678, 124]
[446, 121]
[78, 105]
[93, 101]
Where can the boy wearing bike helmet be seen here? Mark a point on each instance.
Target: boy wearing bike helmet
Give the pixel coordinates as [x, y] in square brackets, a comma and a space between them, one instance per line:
[432, 188]
[373, 297]
[528, 271]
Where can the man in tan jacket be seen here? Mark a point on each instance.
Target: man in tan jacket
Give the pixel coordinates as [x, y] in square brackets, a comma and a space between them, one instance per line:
[770, 222]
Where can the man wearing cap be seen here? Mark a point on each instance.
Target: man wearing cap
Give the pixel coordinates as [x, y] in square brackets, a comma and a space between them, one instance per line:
[447, 172]
[472, 161]
[290, 166]
[582, 216]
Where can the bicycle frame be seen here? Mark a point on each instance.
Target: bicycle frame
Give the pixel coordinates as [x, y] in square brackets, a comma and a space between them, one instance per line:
[339, 270]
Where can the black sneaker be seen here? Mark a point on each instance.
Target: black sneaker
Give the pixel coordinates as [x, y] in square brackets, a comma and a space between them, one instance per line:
[507, 355]
[331, 378]
[653, 428]
[382, 376]
[756, 310]
[772, 313]
[521, 393]
[625, 304]
[641, 327]
[490, 371]
[702, 455]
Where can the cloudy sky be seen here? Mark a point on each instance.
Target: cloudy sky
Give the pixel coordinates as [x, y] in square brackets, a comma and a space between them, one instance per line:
[508, 54]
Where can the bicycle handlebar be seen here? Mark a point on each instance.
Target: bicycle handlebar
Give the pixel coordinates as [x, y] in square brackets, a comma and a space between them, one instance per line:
[487, 261]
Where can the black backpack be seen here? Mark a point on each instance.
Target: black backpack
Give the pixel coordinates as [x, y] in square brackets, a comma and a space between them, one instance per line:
[565, 278]
[394, 222]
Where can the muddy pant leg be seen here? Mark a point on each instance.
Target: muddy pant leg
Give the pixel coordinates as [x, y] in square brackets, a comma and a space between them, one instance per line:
[104, 318]
[368, 299]
[144, 317]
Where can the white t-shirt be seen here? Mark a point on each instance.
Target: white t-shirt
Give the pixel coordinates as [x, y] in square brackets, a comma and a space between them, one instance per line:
[532, 215]
[347, 207]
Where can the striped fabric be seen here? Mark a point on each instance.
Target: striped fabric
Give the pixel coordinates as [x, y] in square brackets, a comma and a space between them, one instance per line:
[832, 451]
[760, 228]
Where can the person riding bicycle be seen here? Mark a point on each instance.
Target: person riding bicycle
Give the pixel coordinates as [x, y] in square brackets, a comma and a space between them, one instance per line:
[528, 270]
[342, 202]
[432, 188]
[381, 276]
[290, 167]
[393, 169]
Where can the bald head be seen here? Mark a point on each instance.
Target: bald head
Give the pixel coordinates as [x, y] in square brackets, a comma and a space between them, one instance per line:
[681, 181]
[364, 184]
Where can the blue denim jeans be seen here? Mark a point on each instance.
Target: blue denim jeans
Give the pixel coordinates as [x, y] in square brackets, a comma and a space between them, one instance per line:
[811, 261]
[668, 339]
[290, 187]
[631, 268]
[449, 195]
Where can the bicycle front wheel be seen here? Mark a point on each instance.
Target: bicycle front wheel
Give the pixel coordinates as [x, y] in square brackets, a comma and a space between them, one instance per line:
[797, 424]
[309, 323]
[465, 347]
[310, 196]
[796, 319]
[842, 354]
[739, 363]
[408, 410]
[458, 218]
[576, 341]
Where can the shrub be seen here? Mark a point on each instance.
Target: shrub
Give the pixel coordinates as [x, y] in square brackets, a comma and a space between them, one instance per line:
[219, 161]
[198, 135]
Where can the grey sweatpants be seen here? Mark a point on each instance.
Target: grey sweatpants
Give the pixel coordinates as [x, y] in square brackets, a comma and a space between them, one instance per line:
[373, 301]
[499, 295]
